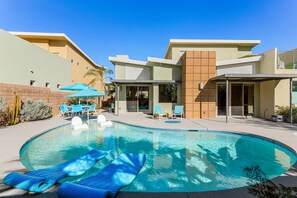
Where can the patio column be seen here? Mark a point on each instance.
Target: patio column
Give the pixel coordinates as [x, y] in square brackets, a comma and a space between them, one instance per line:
[117, 99]
[291, 97]
[227, 100]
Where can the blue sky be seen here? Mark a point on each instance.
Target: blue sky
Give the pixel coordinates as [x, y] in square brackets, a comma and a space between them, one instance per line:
[143, 28]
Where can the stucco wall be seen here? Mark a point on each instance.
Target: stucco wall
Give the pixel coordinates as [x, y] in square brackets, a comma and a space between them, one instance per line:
[21, 61]
[167, 73]
[269, 63]
[80, 65]
[244, 68]
[267, 99]
[222, 52]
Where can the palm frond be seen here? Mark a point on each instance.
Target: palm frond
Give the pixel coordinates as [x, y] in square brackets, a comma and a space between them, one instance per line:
[93, 81]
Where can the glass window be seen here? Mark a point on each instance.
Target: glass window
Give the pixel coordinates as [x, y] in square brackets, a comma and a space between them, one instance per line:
[294, 88]
[168, 93]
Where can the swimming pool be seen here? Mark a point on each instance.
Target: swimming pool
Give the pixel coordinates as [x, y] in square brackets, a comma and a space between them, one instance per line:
[177, 160]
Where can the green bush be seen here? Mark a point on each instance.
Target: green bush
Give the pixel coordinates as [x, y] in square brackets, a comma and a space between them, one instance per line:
[285, 111]
[35, 110]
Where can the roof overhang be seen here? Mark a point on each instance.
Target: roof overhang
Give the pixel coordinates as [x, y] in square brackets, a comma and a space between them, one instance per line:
[124, 60]
[216, 42]
[55, 36]
[150, 61]
[253, 77]
[240, 61]
[144, 81]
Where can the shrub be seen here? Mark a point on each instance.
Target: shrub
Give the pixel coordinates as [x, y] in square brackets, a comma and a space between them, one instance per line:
[285, 111]
[71, 101]
[4, 115]
[35, 110]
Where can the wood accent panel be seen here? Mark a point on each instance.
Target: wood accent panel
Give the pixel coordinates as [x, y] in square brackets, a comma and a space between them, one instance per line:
[198, 67]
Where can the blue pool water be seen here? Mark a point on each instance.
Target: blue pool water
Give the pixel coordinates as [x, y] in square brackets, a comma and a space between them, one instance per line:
[177, 160]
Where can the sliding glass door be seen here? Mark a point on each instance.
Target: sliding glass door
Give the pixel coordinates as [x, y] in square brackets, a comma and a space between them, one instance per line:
[137, 98]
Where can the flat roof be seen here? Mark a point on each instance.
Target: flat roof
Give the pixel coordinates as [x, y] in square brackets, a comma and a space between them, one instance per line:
[251, 43]
[253, 77]
[144, 81]
[57, 36]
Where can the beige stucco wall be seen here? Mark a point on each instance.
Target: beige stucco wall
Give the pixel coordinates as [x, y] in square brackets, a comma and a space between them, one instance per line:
[269, 63]
[19, 57]
[79, 63]
[267, 99]
[43, 43]
[222, 52]
[167, 73]
[243, 68]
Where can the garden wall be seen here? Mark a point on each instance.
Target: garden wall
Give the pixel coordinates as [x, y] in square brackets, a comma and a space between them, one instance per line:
[55, 98]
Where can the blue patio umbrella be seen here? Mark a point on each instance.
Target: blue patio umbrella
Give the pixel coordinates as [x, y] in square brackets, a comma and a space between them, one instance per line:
[77, 87]
[86, 93]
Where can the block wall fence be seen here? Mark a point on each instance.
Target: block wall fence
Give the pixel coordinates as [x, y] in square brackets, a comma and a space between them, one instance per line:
[55, 98]
[197, 68]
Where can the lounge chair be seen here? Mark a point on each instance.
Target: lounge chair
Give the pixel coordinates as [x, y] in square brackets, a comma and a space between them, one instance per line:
[76, 123]
[178, 110]
[39, 180]
[109, 181]
[158, 111]
[102, 122]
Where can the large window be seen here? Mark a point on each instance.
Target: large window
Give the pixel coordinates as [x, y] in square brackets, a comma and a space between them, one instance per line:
[294, 88]
[168, 93]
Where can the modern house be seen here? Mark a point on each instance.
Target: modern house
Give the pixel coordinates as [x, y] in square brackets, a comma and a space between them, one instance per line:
[22, 63]
[61, 45]
[209, 77]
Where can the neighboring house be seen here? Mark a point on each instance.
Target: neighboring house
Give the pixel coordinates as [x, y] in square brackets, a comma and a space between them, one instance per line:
[25, 64]
[194, 73]
[61, 45]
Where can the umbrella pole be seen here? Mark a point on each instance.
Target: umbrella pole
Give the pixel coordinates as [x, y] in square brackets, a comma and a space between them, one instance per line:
[88, 112]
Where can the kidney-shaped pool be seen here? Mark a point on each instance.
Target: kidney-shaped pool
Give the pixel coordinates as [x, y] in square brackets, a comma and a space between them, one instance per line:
[177, 160]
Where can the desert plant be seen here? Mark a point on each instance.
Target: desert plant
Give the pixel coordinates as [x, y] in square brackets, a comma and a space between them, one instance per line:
[71, 101]
[14, 110]
[4, 115]
[285, 111]
[35, 110]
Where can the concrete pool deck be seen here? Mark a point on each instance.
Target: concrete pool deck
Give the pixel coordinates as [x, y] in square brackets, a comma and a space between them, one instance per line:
[13, 137]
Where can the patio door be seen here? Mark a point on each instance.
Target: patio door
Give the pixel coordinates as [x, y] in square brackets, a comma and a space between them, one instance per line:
[137, 98]
[143, 99]
[131, 98]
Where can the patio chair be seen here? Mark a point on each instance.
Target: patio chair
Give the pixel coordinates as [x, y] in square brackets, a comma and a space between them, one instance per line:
[64, 109]
[107, 182]
[39, 180]
[76, 123]
[158, 111]
[178, 110]
[102, 122]
[92, 109]
[76, 109]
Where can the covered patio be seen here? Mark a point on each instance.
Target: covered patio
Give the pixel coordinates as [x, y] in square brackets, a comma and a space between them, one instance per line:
[228, 78]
